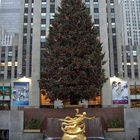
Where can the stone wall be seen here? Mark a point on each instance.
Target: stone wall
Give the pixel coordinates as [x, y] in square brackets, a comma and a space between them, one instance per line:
[132, 123]
[131, 126]
[115, 135]
[32, 136]
[13, 121]
[43, 113]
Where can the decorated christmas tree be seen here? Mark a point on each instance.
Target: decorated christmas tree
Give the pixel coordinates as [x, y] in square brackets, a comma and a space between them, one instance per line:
[73, 57]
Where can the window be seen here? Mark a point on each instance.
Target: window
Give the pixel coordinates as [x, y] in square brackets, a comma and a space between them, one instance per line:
[16, 54]
[9, 57]
[26, 1]
[96, 10]
[24, 52]
[31, 30]
[43, 21]
[111, 1]
[134, 48]
[127, 48]
[24, 40]
[26, 10]
[52, 0]
[136, 71]
[15, 72]
[25, 19]
[113, 20]
[42, 44]
[32, 10]
[1, 71]
[3, 49]
[96, 21]
[113, 30]
[43, 32]
[112, 10]
[43, 0]
[31, 40]
[130, 41]
[114, 41]
[128, 59]
[31, 20]
[52, 8]
[25, 30]
[43, 10]
[129, 71]
[23, 70]
[51, 20]
[9, 72]
[95, 0]
[2, 57]
[97, 29]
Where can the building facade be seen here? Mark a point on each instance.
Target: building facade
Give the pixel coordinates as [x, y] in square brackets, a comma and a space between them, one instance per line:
[35, 19]
[9, 15]
[130, 38]
[8, 55]
[9, 28]
[129, 33]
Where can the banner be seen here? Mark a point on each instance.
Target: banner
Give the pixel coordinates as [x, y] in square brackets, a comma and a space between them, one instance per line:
[5, 92]
[120, 92]
[20, 94]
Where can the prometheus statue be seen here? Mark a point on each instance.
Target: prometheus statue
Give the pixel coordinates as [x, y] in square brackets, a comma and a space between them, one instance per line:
[74, 128]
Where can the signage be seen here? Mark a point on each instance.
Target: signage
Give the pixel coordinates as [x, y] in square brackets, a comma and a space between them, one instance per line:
[5, 93]
[119, 92]
[20, 94]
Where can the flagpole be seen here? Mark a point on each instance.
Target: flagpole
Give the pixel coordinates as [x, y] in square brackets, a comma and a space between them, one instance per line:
[135, 90]
[3, 94]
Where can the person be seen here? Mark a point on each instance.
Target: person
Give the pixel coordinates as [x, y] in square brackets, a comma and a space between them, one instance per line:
[116, 89]
[119, 89]
[114, 84]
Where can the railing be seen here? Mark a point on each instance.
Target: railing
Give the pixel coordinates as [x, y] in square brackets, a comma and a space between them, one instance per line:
[89, 138]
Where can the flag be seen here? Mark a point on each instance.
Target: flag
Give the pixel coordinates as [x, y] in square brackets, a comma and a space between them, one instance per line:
[135, 87]
[10, 91]
[3, 91]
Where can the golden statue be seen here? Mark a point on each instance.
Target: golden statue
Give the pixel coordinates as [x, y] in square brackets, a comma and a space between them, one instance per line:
[74, 128]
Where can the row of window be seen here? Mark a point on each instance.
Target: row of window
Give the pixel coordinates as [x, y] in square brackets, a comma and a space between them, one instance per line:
[9, 73]
[96, 10]
[43, 9]
[111, 1]
[136, 74]
[52, 9]
[27, 1]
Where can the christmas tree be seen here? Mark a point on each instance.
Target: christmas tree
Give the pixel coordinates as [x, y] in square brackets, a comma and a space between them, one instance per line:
[73, 57]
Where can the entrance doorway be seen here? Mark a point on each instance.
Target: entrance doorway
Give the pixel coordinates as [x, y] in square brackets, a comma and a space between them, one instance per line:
[4, 134]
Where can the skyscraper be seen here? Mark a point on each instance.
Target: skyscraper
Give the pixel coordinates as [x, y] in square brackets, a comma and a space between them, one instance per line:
[9, 15]
[8, 53]
[129, 44]
[36, 17]
[130, 38]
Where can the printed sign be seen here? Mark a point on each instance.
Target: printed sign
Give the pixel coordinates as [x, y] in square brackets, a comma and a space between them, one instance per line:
[120, 92]
[20, 94]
